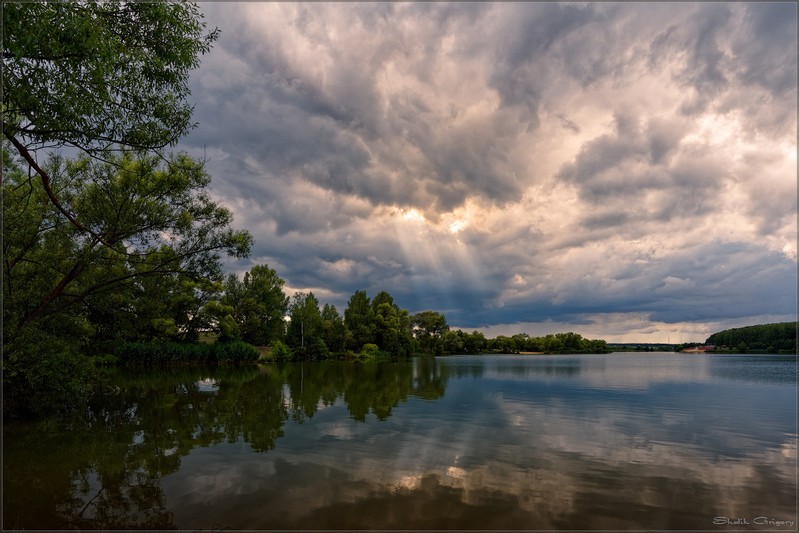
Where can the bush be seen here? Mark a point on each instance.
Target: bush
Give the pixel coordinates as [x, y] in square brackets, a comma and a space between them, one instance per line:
[317, 349]
[164, 353]
[281, 352]
[43, 376]
[370, 351]
[234, 351]
[106, 359]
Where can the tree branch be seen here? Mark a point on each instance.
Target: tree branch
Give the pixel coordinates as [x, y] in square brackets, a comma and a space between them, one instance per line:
[23, 151]
[53, 294]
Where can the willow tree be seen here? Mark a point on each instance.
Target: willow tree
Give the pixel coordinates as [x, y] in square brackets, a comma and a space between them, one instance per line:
[108, 80]
[163, 238]
[98, 76]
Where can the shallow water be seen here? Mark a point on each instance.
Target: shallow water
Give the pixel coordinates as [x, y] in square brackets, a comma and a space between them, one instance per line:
[617, 441]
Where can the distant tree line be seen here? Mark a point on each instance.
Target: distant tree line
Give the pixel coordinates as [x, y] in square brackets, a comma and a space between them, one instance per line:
[256, 310]
[641, 347]
[568, 342]
[772, 338]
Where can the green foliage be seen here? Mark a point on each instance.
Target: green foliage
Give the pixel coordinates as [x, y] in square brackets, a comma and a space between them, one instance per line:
[228, 329]
[106, 359]
[370, 351]
[458, 342]
[95, 74]
[121, 247]
[311, 333]
[504, 344]
[258, 304]
[429, 327]
[474, 342]
[359, 319]
[233, 352]
[334, 332]
[161, 234]
[380, 322]
[777, 337]
[43, 374]
[382, 297]
[305, 330]
[164, 353]
[281, 352]
[151, 277]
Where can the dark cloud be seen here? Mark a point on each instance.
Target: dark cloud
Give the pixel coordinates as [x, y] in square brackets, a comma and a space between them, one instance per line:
[512, 162]
[766, 58]
[619, 169]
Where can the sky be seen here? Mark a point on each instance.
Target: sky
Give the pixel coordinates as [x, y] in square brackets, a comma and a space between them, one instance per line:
[626, 171]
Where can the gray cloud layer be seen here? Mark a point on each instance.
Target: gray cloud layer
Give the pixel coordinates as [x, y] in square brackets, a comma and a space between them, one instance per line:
[513, 162]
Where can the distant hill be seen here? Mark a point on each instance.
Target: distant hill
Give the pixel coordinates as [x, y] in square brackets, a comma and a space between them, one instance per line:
[779, 337]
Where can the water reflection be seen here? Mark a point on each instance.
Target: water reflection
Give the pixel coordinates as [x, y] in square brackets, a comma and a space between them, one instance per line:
[103, 470]
[623, 441]
[632, 370]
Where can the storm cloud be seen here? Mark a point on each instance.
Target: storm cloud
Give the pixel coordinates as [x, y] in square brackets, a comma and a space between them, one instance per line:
[514, 163]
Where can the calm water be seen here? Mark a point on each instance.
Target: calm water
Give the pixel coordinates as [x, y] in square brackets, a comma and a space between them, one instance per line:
[619, 441]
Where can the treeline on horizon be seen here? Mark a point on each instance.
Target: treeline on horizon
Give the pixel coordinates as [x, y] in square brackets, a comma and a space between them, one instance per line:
[255, 311]
[778, 337]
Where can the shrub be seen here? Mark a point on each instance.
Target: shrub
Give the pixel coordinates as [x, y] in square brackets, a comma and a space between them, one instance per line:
[42, 376]
[317, 349]
[234, 351]
[370, 351]
[281, 352]
[164, 353]
[106, 359]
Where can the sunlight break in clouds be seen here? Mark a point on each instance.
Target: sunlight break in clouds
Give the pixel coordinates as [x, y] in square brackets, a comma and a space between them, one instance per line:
[630, 167]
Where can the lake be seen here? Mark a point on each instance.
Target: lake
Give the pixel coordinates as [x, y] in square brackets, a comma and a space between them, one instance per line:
[616, 441]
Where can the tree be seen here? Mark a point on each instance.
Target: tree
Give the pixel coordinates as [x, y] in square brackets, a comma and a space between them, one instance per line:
[359, 319]
[505, 344]
[162, 237]
[572, 342]
[474, 342]
[777, 337]
[157, 221]
[521, 340]
[383, 297]
[98, 76]
[305, 329]
[387, 328]
[406, 343]
[171, 307]
[334, 331]
[92, 75]
[103, 78]
[452, 342]
[259, 304]
[428, 328]
[552, 343]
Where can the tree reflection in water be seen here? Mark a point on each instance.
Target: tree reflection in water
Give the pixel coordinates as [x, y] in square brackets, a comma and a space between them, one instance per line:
[569, 442]
[102, 469]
